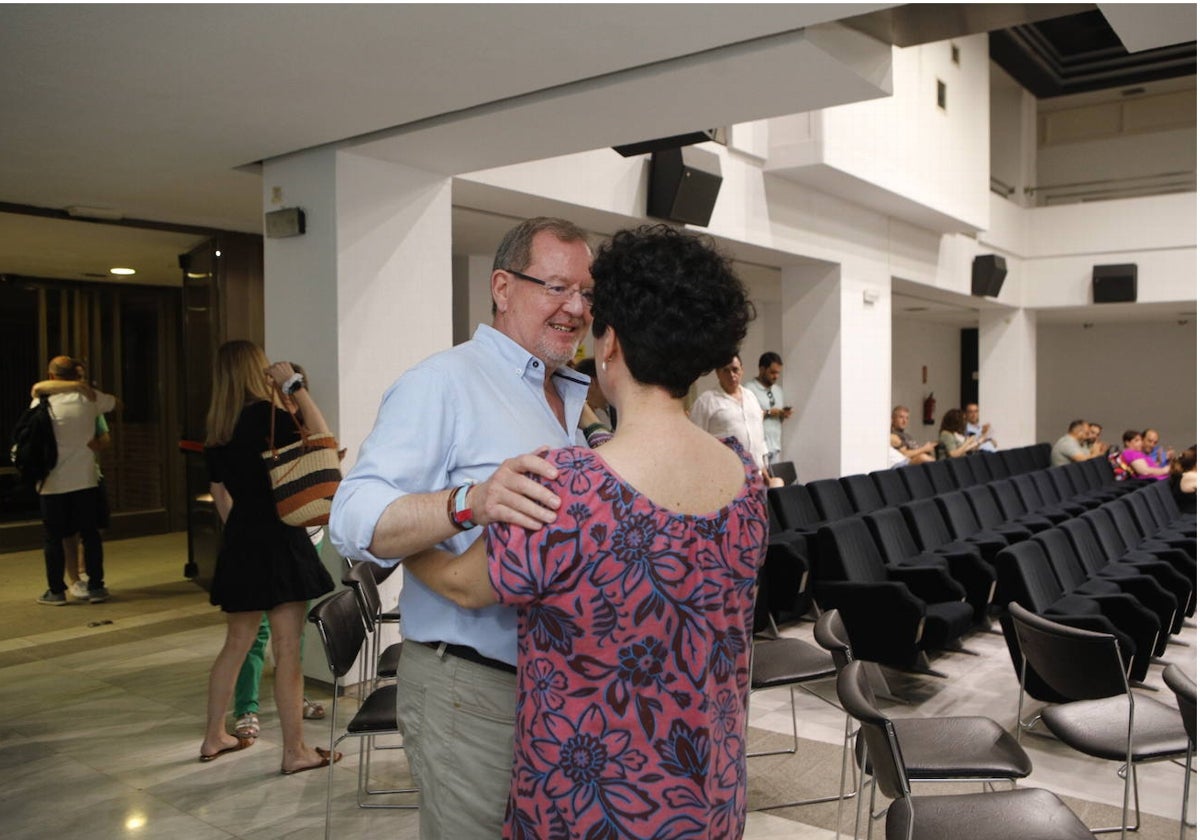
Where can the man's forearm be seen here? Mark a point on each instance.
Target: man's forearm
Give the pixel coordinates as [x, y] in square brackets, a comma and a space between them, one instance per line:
[412, 523]
[462, 579]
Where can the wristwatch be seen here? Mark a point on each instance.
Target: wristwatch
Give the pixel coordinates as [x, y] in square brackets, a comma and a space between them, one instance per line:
[460, 514]
[294, 383]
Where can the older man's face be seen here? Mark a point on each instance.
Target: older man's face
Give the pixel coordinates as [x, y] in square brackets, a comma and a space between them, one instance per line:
[1149, 441]
[900, 421]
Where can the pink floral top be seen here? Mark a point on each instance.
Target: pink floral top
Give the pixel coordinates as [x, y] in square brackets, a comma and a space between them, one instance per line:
[634, 633]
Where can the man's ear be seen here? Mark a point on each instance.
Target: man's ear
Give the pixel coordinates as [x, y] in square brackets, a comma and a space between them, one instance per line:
[501, 287]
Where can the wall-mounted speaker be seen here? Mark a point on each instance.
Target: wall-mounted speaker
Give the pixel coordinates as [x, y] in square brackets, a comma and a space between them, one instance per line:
[645, 147]
[683, 185]
[1114, 283]
[987, 275]
[282, 223]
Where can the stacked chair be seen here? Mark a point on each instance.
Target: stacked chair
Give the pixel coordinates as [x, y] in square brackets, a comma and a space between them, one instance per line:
[1185, 696]
[345, 629]
[999, 815]
[1097, 713]
[935, 749]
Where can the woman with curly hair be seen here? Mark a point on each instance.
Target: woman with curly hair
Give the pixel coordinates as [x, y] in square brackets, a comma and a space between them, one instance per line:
[635, 606]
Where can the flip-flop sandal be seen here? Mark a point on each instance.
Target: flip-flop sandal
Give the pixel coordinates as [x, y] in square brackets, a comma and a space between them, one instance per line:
[240, 745]
[313, 711]
[324, 762]
[247, 726]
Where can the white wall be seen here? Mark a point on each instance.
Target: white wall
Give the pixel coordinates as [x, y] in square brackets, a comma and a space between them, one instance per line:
[906, 144]
[1121, 375]
[936, 347]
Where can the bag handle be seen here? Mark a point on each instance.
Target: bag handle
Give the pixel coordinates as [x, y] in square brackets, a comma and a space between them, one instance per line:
[299, 426]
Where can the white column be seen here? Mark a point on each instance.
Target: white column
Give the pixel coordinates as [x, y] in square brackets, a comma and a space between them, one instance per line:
[363, 295]
[1008, 375]
[810, 298]
[837, 360]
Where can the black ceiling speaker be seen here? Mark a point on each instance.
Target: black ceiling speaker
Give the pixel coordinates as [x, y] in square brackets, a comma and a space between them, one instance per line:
[1114, 283]
[987, 275]
[645, 147]
[683, 185]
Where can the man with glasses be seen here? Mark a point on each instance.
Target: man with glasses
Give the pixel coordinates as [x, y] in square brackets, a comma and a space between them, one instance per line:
[767, 390]
[452, 451]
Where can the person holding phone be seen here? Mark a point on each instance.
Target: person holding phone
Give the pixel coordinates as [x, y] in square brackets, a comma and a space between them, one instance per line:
[766, 389]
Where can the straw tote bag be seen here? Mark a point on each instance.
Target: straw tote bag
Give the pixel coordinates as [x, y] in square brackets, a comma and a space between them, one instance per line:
[304, 476]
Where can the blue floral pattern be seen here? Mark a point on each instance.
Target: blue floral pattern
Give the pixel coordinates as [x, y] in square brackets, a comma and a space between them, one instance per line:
[634, 628]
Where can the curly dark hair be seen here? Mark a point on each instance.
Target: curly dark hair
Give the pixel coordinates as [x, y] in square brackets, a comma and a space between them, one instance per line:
[673, 301]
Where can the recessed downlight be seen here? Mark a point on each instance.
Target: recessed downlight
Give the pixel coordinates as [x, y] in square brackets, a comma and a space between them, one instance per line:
[124, 272]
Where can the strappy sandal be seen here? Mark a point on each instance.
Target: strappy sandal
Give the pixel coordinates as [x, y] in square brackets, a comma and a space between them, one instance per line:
[313, 711]
[247, 727]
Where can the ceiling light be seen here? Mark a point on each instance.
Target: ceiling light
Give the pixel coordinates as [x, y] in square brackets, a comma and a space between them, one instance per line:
[122, 271]
[80, 212]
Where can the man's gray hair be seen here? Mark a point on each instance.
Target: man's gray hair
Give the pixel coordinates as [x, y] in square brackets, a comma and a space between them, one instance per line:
[514, 250]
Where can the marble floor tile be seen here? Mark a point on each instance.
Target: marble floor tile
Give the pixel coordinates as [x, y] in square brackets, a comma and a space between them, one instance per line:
[102, 727]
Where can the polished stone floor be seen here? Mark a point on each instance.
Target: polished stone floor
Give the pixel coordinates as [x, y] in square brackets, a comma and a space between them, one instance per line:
[102, 713]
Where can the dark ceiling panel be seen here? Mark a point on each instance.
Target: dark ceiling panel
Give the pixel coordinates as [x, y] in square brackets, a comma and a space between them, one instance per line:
[1080, 53]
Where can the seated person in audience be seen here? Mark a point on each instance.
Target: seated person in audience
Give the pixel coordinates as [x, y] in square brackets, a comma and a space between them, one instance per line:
[1134, 458]
[952, 436]
[1071, 447]
[1183, 480]
[1157, 454]
[896, 458]
[1094, 440]
[987, 441]
[916, 453]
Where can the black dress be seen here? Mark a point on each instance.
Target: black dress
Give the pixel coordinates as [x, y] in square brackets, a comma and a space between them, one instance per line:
[262, 562]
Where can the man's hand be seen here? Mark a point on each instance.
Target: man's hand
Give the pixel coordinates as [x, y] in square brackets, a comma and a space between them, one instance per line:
[513, 494]
[785, 412]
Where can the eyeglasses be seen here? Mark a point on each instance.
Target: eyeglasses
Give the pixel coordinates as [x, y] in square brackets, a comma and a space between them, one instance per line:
[558, 292]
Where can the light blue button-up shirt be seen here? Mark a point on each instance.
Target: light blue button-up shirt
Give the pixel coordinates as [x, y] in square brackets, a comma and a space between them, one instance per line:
[450, 419]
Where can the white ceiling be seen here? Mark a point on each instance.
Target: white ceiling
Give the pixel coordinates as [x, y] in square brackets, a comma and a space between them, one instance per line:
[162, 112]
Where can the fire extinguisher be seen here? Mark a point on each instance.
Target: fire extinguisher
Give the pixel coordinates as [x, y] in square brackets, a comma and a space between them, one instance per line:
[929, 411]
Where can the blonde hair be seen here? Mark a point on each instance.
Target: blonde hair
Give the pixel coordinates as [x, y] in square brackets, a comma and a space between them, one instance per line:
[239, 378]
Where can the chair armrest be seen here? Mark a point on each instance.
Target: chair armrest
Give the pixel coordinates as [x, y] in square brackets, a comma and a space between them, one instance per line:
[930, 584]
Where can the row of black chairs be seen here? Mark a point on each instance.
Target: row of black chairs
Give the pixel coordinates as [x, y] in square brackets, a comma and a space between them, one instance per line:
[910, 556]
[1117, 569]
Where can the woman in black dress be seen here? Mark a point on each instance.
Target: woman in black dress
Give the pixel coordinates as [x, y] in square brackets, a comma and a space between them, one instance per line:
[264, 565]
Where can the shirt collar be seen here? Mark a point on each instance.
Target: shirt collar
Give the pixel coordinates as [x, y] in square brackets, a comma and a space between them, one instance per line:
[518, 359]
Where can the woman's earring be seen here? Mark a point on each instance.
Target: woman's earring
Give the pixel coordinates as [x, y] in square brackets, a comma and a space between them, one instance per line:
[604, 366]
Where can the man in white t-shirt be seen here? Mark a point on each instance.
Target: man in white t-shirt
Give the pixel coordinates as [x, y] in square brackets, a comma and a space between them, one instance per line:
[732, 410]
[69, 496]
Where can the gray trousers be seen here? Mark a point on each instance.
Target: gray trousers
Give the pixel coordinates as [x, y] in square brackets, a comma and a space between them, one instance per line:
[458, 722]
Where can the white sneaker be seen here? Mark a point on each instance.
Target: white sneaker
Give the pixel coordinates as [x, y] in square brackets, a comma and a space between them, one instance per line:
[79, 590]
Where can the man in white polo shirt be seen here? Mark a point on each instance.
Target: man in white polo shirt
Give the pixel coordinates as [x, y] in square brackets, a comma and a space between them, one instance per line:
[731, 410]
